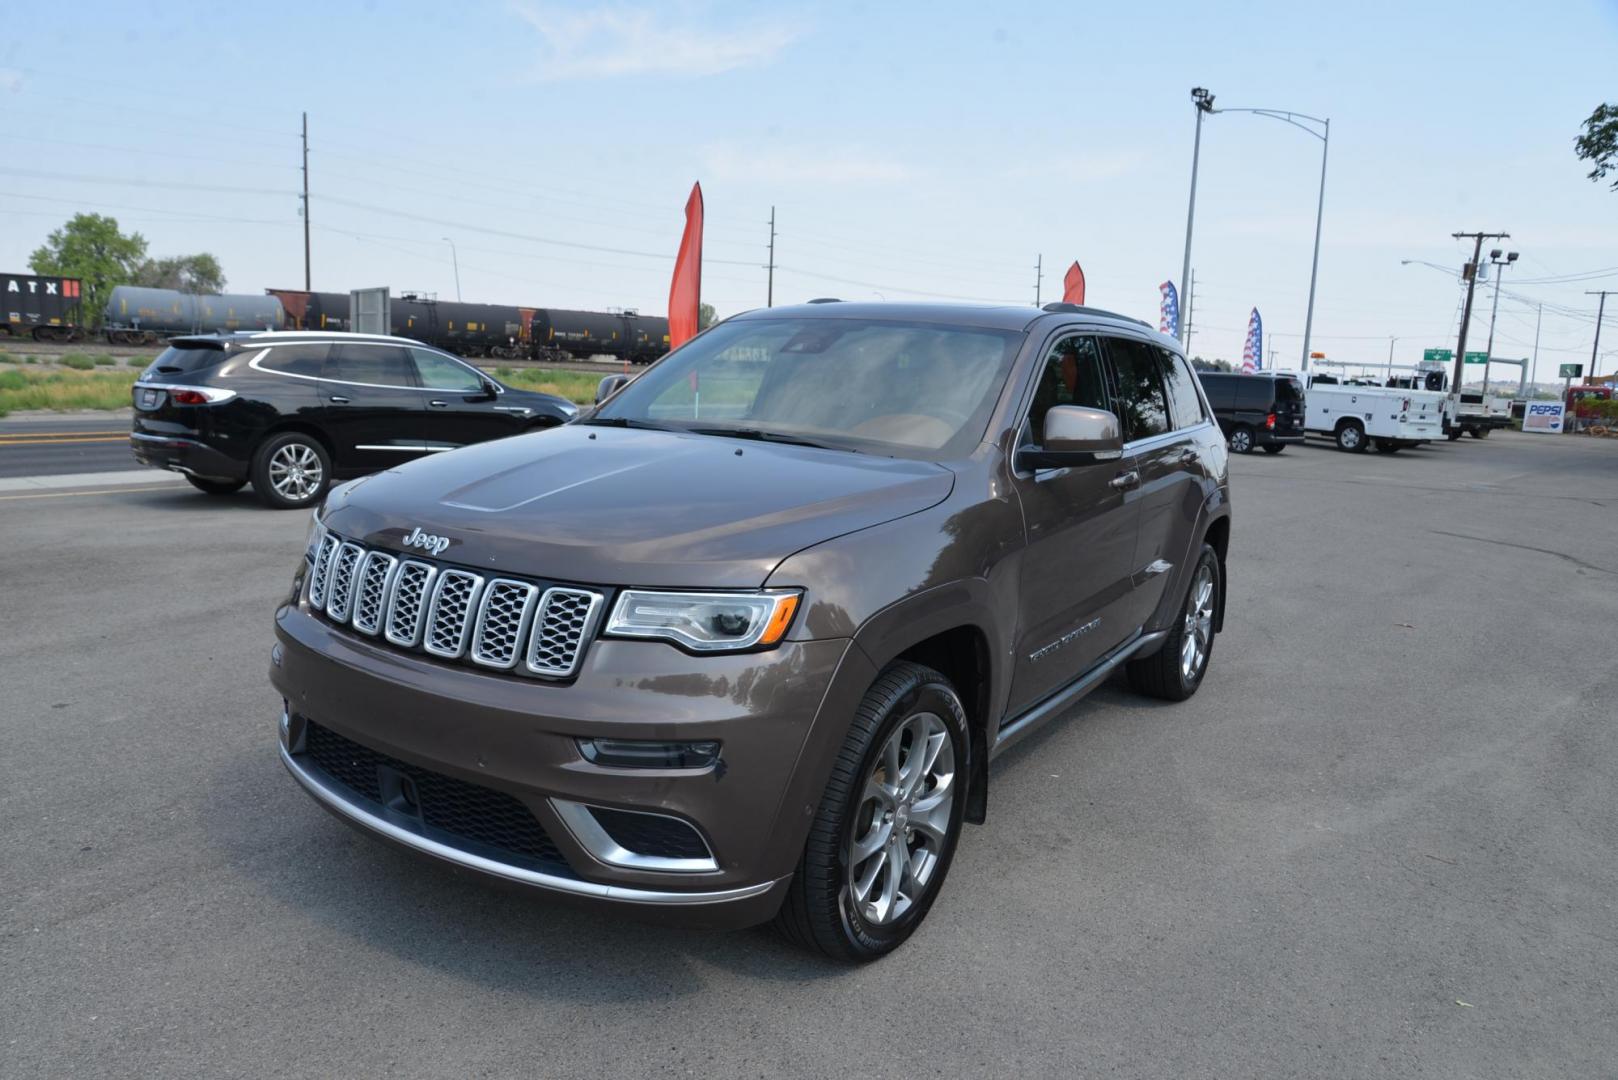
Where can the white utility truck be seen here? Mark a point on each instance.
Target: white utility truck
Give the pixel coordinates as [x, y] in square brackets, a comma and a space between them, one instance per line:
[1357, 417]
[1466, 413]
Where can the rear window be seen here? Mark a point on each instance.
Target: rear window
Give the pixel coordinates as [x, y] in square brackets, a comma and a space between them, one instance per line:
[1288, 390]
[186, 356]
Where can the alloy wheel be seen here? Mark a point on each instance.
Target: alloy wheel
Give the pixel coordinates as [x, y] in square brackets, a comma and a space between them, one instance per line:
[903, 819]
[1198, 630]
[295, 471]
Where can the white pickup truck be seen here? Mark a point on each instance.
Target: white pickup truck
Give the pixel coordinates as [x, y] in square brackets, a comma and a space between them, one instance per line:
[1357, 417]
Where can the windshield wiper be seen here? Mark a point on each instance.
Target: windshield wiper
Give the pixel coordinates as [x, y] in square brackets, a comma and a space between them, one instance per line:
[629, 422]
[758, 435]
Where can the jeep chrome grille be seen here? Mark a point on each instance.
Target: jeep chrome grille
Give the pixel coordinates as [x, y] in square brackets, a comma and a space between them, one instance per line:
[452, 613]
[502, 620]
[340, 580]
[373, 588]
[408, 603]
[558, 639]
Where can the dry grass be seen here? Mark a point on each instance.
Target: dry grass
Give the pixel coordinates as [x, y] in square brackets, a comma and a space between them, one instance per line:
[64, 390]
[576, 386]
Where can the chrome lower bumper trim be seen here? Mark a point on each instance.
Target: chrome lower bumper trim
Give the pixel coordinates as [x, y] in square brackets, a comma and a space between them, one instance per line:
[620, 893]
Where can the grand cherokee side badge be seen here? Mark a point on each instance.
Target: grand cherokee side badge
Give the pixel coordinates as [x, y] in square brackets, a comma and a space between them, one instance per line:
[435, 545]
[1066, 639]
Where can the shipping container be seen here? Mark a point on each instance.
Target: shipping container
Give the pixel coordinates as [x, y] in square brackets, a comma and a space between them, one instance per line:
[42, 307]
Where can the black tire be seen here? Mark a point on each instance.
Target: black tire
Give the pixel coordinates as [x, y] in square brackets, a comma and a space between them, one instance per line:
[297, 445]
[1241, 439]
[1454, 434]
[216, 487]
[1274, 448]
[1387, 446]
[1480, 433]
[819, 912]
[1163, 674]
[1351, 437]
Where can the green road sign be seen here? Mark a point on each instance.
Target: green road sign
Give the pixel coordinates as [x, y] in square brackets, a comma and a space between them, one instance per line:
[1570, 371]
[1476, 358]
[1443, 356]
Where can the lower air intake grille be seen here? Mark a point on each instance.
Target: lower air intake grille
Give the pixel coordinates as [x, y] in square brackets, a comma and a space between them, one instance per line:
[478, 816]
[652, 834]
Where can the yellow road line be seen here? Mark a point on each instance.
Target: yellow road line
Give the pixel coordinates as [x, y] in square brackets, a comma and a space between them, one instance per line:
[60, 442]
[56, 434]
[102, 491]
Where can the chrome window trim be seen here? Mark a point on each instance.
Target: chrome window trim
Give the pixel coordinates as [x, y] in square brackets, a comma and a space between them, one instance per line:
[524, 624]
[394, 342]
[604, 849]
[628, 894]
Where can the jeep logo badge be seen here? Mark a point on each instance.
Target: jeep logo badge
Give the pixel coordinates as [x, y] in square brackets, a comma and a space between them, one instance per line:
[427, 541]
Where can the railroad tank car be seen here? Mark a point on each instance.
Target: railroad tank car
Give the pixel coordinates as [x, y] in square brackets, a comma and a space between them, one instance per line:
[313, 310]
[42, 307]
[136, 314]
[464, 329]
[582, 334]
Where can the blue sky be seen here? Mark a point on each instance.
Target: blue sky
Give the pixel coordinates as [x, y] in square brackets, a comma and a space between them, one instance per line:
[911, 151]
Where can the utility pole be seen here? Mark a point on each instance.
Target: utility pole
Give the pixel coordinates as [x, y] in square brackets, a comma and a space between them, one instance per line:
[1039, 275]
[1470, 273]
[306, 285]
[1601, 311]
[1190, 300]
[1534, 378]
[455, 257]
[1391, 340]
[769, 287]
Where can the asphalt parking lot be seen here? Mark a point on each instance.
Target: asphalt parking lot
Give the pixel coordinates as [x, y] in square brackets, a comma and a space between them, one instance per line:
[1381, 841]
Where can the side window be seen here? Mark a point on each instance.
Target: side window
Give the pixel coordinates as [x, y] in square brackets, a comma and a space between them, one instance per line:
[1185, 407]
[295, 360]
[1070, 375]
[1142, 402]
[379, 365]
[439, 372]
[1255, 393]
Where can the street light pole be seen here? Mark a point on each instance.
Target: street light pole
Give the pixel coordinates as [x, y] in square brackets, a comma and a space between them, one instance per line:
[1494, 312]
[456, 259]
[1203, 101]
[1314, 266]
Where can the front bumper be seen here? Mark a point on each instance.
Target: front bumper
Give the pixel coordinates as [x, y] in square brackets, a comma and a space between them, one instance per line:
[184, 455]
[773, 713]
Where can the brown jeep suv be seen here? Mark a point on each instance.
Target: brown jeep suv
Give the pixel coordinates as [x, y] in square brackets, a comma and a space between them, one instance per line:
[741, 642]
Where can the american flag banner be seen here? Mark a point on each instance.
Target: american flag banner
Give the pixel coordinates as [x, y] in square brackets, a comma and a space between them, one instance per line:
[1253, 349]
[1168, 319]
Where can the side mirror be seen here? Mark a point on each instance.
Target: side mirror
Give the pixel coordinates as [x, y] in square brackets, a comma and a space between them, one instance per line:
[1075, 435]
[490, 390]
[610, 386]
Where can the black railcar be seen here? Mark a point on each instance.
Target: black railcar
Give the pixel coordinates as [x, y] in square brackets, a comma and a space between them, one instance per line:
[42, 307]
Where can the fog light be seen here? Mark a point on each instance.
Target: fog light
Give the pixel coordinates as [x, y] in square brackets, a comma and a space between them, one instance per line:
[644, 754]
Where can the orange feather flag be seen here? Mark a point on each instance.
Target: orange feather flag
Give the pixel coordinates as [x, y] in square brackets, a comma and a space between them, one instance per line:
[1073, 285]
[685, 291]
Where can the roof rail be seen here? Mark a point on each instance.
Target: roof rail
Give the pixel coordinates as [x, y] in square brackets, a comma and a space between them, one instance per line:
[825, 300]
[1064, 308]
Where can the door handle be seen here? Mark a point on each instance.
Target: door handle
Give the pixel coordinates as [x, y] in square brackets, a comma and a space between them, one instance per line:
[339, 400]
[1189, 457]
[1125, 480]
[439, 404]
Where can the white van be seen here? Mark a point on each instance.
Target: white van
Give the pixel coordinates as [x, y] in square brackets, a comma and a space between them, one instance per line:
[1357, 417]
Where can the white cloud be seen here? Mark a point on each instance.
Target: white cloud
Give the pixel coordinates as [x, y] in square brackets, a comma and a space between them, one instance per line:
[776, 165]
[640, 41]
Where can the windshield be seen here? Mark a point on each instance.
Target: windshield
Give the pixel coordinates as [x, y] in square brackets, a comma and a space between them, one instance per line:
[904, 389]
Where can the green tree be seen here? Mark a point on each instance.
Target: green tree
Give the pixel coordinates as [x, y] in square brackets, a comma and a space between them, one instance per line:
[706, 316]
[1599, 143]
[200, 273]
[90, 247]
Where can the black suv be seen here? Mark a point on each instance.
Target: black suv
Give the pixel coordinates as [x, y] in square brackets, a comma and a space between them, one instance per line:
[1258, 410]
[291, 411]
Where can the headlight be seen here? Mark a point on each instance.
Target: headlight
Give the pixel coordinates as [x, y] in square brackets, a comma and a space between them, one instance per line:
[317, 533]
[705, 622]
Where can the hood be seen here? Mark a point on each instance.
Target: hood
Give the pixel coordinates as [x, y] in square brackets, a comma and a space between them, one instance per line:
[612, 506]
